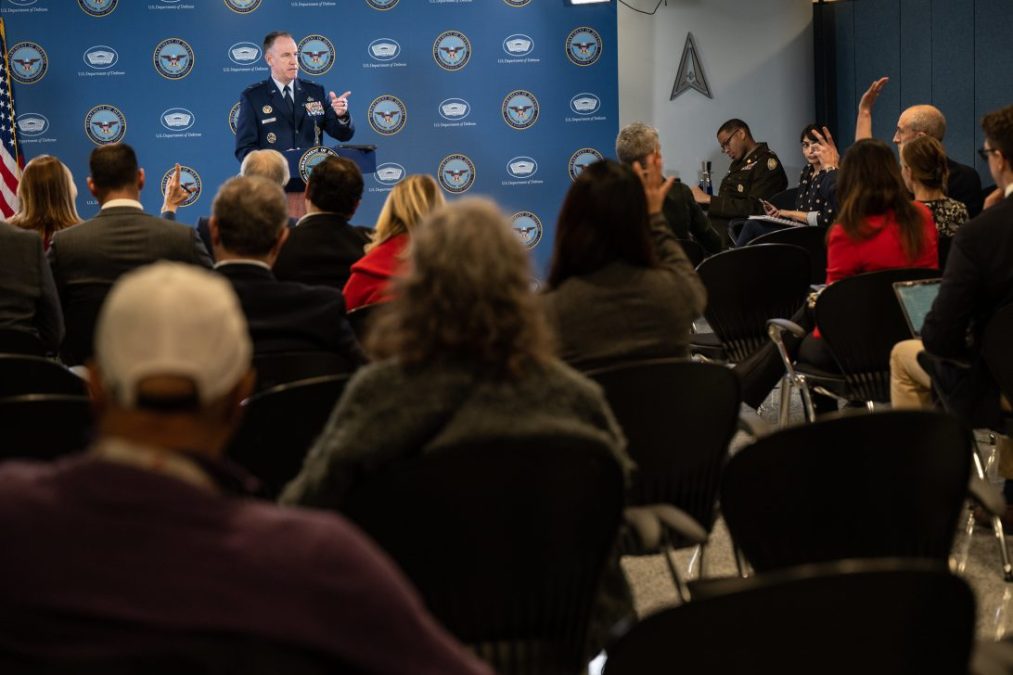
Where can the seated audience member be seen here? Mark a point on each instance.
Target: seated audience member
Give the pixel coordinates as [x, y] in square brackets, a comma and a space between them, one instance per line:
[463, 355]
[977, 281]
[963, 182]
[145, 540]
[408, 202]
[88, 258]
[639, 142]
[269, 164]
[247, 231]
[755, 174]
[46, 196]
[28, 300]
[323, 244]
[620, 287]
[878, 228]
[815, 202]
[924, 168]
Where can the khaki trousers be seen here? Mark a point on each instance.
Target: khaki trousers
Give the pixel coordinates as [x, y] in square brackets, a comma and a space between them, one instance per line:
[910, 386]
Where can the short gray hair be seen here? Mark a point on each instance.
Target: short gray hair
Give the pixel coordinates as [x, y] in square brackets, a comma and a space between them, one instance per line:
[269, 164]
[635, 142]
[251, 212]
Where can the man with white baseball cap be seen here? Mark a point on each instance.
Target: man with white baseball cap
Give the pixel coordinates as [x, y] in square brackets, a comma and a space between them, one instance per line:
[140, 544]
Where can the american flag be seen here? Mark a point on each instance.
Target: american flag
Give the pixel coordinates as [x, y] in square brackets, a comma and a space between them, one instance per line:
[10, 157]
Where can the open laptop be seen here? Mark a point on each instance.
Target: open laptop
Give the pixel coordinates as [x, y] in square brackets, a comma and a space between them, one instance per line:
[916, 298]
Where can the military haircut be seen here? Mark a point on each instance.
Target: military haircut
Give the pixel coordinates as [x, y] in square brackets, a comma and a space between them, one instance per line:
[335, 185]
[113, 166]
[734, 125]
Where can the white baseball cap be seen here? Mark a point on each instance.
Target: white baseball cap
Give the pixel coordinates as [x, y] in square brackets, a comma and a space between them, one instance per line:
[172, 319]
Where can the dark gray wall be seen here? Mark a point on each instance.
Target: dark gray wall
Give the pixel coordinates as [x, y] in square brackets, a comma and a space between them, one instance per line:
[954, 54]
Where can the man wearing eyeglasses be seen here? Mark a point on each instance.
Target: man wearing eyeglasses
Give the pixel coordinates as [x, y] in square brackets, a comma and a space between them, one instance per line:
[755, 174]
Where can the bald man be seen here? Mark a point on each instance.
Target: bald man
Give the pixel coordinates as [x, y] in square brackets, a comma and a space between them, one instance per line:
[964, 183]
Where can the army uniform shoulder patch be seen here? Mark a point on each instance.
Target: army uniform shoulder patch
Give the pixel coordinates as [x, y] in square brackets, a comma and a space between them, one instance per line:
[771, 164]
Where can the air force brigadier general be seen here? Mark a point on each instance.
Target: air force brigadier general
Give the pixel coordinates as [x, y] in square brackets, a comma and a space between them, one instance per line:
[284, 112]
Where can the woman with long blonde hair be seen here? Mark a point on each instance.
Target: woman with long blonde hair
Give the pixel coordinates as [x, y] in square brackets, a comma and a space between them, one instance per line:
[46, 195]
[406, 205]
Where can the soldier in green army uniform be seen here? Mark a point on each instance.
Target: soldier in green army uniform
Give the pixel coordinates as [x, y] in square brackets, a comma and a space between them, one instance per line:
[756, 173]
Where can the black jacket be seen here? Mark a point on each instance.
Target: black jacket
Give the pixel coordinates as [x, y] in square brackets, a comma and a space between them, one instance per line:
[320, 250]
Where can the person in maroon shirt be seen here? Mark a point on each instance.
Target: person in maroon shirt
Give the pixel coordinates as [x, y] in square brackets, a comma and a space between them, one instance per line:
[121, 550]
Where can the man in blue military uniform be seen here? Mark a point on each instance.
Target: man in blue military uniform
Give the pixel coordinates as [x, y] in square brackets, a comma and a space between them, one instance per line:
[284, 112]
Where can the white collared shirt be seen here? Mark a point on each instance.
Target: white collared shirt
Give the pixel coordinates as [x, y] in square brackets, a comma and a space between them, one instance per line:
[281, 87]
[113, 203]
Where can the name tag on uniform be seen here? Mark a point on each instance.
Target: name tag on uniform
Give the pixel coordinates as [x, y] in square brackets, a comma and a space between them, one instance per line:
[314, 108]
[269, 120]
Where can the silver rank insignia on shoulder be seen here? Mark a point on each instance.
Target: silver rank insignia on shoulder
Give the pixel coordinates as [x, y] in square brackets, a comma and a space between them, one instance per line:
[741, 189]
[310, 99]
[771, 164]
[267, 110]
[272, 138]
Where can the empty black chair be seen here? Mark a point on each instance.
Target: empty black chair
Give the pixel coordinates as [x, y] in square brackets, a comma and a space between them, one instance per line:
[279, 426]
[746, 287]
[13, 341]
[861, 320]
[885, 484]
[284, 367]
[507, 542]
[812, 239]
[36, 375]
[44, 426]
[678, 417]
[881, 617]
[694, 251]
[786, 199]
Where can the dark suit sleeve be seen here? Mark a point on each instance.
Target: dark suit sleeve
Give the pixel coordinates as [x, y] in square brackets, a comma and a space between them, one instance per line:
[169, 215]
[247, 134]
[200, 252]
[340, 128]
[964, 185]
[48, 313]
[944, 332]
[701, 230]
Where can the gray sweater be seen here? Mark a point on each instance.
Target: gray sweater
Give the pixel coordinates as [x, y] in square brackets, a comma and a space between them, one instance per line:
[623, 312]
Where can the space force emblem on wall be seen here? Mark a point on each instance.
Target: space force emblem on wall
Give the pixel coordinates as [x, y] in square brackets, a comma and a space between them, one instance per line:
[105, 124]
[189, 180]
[520, 109]
[456, 173]
[173, 58]
[387, 115]
[316, 54]
[97, 7]
[243, 6]
[528, 227]
[452, 50]
[29, 62]
[582, 159]
[311, 158]
[382, 5]
[583, 46]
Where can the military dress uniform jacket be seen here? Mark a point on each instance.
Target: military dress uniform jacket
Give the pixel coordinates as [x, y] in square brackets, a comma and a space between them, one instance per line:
[758, 175]
[266, 123]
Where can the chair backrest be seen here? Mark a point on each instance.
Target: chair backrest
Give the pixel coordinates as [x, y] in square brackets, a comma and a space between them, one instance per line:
[694, 251]
[361, 318]
[37, 375]
[44, 426]
[678, 417]
[861, 320]
[13, 341]
[285, 367]
[869, 485]
[746, 286]
[876, 618]
[812, 239]
[506, 540]
[80, 314]
[944, 244]
[279, 425]
[786, 199]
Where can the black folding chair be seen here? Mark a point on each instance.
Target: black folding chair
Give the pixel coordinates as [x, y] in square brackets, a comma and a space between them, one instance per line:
[694, 251]
[861, 320]
[786, 199]
[37, 375]
[679, 417]
[13, 341]
[44, 426]
[812, 239]
[279, 426]
[885, 484]
[746, 287]
[285, 367]
[361, 319]
[506, 540]
[878, 617]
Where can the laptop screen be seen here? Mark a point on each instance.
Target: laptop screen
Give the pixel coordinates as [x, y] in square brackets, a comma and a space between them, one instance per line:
[916, 298]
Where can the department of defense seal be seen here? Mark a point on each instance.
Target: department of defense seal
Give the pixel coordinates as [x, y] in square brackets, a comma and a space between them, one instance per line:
[387, 115]
[311, 158]
[173, 58]
[456, 173]
[105, 124]
[452, 50]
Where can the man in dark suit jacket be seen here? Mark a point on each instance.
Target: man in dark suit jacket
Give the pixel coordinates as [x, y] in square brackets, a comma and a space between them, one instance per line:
[88, 258]
[284, 112]
[269, 164]
[247, 231]
[28, 299]
[323, 246]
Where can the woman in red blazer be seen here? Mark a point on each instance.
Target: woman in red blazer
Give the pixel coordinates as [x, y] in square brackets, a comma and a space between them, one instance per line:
[407, 203]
